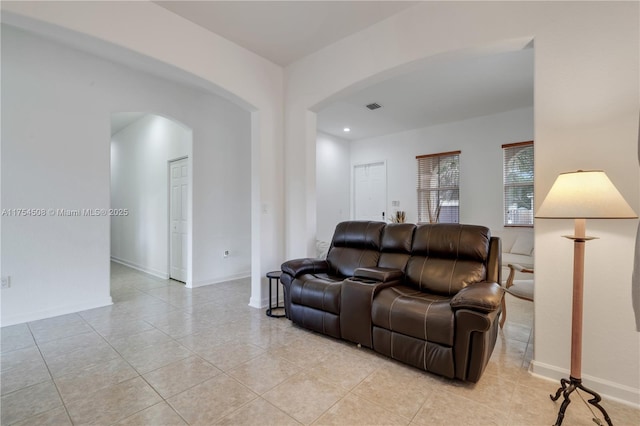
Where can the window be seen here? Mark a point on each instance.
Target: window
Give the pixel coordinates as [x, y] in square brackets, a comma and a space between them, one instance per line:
[438, 187]
[518, 183]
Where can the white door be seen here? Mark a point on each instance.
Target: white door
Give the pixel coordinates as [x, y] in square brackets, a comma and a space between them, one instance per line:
[370, 191]
[178, 219]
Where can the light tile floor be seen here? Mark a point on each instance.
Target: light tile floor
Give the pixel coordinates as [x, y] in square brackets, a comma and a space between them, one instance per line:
[165, 355]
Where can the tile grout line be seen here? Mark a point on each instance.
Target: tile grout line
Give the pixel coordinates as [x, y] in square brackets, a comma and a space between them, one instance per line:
[139, 375]
[163, 399]
[64, 405]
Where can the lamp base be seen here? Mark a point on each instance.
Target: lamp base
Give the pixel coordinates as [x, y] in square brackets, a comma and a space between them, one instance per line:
[573, 384]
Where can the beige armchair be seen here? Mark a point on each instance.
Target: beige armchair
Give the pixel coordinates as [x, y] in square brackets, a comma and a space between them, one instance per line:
[522, 289]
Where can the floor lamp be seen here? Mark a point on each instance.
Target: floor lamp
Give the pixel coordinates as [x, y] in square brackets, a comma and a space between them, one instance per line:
[581, 195]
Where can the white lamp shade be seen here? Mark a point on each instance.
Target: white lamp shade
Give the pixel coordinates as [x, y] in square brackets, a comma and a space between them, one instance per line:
[585, 195]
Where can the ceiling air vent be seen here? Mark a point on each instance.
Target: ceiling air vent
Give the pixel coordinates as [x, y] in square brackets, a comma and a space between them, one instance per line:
[374, 106]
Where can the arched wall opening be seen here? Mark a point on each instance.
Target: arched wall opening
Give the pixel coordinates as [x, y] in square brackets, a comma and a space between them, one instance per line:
[74, 132]
[522, 131]
[472, 101]
[151, 195]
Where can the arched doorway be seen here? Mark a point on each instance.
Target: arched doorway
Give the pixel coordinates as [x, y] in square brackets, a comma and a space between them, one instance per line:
[151, 195]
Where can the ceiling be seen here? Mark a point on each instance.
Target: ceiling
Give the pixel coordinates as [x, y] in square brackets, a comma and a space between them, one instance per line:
[285, 31]
[120, 120]
[435, 94]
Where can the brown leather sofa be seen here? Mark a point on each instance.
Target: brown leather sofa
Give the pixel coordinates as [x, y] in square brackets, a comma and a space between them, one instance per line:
[426, 295]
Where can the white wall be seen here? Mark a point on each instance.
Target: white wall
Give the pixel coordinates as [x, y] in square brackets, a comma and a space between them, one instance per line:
[57, 105]
[222, 203]
[586, 116]
[190, 53]
[140, 154]
[333, 178]
[480, 140]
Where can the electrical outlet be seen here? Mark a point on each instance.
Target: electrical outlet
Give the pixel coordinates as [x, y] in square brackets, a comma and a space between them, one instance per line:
[6, 282]
[226, 253]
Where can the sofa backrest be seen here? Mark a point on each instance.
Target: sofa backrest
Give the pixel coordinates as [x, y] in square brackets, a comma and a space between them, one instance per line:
[355, 244]
[445, 258]
[395, 247]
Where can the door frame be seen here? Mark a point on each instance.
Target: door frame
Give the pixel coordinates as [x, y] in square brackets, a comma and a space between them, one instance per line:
[353, 185]
[189, 279]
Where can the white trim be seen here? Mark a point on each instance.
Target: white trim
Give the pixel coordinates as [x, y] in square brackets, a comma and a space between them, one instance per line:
[610, 390]
[155, 272]
[238, 276]
[189, 282]
[189, 210]
[264, 303]
[258, 305]
[62, 310]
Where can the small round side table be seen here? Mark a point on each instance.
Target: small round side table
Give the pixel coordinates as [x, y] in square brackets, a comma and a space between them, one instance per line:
[274, 276]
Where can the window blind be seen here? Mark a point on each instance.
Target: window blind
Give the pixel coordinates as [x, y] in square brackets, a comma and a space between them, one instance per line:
[518, 183]
[438, 187]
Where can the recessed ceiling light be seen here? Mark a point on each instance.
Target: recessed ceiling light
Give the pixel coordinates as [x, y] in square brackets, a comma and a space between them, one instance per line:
[346, 129]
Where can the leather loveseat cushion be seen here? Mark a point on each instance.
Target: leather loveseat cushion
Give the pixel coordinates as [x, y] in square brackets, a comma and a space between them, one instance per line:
[354, 245]
[317, 291]
[442, 276]
[408, 311]
[446, 258]
[395, 246]
[344, 261]
[446, 240]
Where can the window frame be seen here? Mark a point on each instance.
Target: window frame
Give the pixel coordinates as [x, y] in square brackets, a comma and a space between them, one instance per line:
[423, 215]
[506, 150]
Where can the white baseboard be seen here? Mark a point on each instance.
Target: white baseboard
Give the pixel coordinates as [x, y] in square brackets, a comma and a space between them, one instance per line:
[264, 303]
[238, 276]
[57, 311]
[155, 272]
[611, 390]
[256, 303]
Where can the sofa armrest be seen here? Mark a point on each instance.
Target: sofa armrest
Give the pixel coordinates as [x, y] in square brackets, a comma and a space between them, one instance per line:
[483, 297]
[382, 275]
[297, 267]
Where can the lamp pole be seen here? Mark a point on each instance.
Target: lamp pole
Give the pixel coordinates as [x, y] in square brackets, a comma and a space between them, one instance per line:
[575, 378]
[578, 293]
